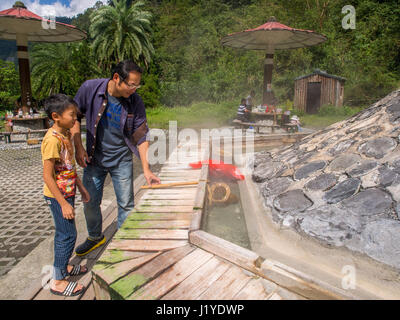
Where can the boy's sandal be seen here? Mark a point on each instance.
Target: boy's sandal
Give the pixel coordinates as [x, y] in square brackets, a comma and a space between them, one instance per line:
[76, 271]
[69, 290]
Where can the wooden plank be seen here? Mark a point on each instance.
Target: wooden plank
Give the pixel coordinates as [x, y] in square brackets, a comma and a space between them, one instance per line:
[146, 245]
[173, 183]
[114, 256]
[254, 290]
[225, 249]
[88, 294]
[195, 224]
[300, 283]
[125, 286]
[227, 286]
[155, 209]
[116, 271]
[200, 195]
[156, 234]
[164, 202]
[172, 174]
[171, 196]
[173, 276]
[100, 291]
[175, 190]
[198, 281]
[164, 220]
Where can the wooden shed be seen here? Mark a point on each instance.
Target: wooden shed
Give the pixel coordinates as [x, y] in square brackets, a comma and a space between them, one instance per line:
[317, 89]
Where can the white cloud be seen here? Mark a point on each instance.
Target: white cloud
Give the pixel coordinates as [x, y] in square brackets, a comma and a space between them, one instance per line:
[75, 7]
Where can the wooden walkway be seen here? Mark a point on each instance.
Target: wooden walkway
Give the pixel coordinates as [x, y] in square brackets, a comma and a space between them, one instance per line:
[161, 253]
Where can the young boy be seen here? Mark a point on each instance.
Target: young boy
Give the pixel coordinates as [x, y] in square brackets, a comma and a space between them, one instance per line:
[61, 180]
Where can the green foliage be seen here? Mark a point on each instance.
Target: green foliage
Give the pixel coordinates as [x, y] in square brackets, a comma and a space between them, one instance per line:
[120, 32]
[195, 67]
[61, 68]
[179, 43]
[9, 85]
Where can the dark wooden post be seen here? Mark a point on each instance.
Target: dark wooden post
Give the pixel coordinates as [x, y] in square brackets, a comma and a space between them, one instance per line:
[24, 72]
[267, 90]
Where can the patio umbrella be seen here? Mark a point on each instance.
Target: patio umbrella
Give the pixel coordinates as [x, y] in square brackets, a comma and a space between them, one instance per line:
[18, 23]
[269, 37]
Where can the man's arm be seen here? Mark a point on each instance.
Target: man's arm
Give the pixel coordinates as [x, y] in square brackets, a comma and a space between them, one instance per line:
[151, 178]
[81, 155]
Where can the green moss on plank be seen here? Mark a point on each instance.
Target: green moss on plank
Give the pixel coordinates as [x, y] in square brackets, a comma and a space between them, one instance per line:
[113, 256]
[134, 224]
[129, 284]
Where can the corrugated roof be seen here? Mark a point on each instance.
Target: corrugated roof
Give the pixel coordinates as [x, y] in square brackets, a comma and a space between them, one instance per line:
[322, 73]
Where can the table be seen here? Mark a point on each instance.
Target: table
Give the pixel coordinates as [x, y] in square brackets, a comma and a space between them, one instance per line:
[261, 115]
[24, 124]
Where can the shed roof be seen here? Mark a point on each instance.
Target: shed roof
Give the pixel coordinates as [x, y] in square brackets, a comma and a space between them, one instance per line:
[322, 73]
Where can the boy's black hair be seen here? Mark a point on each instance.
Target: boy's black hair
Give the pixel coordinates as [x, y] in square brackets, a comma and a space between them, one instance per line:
[243, 101]
[58, 103]
[124, 67]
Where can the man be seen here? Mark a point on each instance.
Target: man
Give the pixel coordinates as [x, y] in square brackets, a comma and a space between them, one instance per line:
[116, 126]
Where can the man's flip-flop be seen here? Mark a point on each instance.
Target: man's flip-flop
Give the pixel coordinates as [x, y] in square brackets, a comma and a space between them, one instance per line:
[69, 290]
[76, 271]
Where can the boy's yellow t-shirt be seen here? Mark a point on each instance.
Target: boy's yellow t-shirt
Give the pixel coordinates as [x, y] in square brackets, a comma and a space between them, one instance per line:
[58, 146]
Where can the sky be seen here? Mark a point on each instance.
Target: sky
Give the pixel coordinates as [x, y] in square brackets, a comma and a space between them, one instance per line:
[67, 8]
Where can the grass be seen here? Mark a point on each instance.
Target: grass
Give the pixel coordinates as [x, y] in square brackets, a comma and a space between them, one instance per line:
[328, 115]
[212, 115]
[198, 115]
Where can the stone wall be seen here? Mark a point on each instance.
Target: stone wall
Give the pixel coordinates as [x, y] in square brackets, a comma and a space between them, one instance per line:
[341, 185]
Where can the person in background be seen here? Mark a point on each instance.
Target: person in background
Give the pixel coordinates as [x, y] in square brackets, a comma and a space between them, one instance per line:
[250, 100]
[295, 120]
[243, 112]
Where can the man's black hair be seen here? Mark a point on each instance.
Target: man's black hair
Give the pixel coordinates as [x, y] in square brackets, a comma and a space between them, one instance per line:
[124, 67]
[58, 103]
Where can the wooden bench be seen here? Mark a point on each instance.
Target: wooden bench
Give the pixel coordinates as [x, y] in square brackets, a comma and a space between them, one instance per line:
[7, 135]
[244, 125]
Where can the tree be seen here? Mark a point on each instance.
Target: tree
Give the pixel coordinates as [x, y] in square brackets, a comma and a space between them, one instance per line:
[121, 32]
[9, 85]
[61, 67]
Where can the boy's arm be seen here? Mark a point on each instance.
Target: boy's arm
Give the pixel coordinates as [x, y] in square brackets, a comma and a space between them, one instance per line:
[48, 169]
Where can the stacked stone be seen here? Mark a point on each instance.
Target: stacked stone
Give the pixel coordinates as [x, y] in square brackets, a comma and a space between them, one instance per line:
[341, 185]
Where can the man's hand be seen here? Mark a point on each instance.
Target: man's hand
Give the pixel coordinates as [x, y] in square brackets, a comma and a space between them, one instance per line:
[68, 211]
[81, 156]
[151, 178]
[85, 195]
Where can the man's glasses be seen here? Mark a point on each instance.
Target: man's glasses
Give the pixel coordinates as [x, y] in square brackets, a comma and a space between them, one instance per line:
[132, 86]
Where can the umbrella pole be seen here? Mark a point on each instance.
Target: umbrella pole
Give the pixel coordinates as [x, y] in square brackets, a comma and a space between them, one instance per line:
[24, 72]
[268, 96]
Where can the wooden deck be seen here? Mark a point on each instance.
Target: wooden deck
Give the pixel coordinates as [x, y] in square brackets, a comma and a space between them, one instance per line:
[161, 253]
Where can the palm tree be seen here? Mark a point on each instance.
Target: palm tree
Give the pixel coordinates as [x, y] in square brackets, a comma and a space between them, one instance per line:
[121, 31]
[61, 67]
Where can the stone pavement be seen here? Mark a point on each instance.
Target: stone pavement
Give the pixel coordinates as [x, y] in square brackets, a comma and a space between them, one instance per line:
[25, 219]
